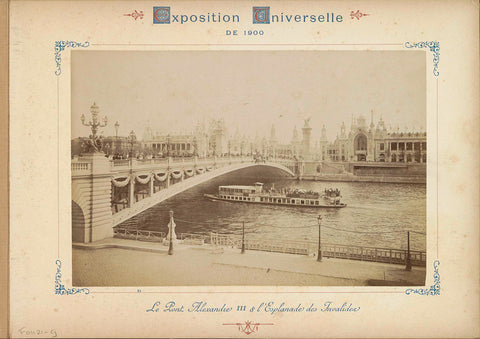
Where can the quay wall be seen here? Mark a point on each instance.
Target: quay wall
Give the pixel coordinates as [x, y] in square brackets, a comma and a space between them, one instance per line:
[367, 172]
[365, 178]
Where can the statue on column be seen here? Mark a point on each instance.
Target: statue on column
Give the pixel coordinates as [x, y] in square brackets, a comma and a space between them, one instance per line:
[307, 122]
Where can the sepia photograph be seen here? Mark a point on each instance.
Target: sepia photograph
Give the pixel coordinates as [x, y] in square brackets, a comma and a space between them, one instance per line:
[248, 168]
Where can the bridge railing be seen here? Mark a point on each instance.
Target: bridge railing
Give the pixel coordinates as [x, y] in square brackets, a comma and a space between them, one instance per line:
[79, 168]
[163, 161]
[120, 162]
[82, 168]
[183, 159]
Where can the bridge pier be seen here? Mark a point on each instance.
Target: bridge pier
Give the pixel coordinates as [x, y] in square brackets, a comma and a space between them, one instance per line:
[91, 193]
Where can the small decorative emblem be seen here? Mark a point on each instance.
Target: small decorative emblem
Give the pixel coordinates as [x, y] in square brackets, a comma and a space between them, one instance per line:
[261, 15]
[161, 15]
[136, 15]
[357, 14]
[60, 288]
[434, 289]
[248, 327]
[60, 46]
[434, 47]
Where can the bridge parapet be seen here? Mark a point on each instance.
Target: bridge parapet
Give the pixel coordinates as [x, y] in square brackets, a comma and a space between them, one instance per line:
[81, 168]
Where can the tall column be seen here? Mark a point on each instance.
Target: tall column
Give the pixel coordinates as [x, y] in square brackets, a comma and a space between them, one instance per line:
[307, 131]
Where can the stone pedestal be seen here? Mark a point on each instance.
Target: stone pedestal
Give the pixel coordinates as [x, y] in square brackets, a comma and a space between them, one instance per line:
[91, 196]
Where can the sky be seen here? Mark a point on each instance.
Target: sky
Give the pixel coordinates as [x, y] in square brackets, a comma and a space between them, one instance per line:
[171, 91]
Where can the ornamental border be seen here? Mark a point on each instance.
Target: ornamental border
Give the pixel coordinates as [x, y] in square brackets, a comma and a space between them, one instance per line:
[60, 288]
[434, 289]
[434, 47]
[60, 46]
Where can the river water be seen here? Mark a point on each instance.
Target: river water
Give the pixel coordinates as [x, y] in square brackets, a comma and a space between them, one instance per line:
[377, 214]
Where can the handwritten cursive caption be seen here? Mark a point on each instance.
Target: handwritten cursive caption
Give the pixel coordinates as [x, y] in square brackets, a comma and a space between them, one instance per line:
[269, 307]
[42, 333]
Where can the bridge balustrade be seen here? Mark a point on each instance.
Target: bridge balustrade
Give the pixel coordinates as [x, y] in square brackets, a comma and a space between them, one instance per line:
[81, 168]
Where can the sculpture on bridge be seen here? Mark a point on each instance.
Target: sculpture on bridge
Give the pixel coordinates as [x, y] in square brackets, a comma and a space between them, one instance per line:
[94, 143]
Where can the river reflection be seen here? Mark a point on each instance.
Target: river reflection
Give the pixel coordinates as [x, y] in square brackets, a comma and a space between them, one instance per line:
[388, 209]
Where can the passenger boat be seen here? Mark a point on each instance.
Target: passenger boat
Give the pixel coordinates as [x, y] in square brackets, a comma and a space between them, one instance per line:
[285, 197]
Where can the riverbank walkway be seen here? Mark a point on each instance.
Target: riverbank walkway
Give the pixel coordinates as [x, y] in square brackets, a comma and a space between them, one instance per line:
[123, 262]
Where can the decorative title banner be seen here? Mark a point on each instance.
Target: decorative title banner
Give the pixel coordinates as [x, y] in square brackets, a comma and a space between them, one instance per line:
[260, 15]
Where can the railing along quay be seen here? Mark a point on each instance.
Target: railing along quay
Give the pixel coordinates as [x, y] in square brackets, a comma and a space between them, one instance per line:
[338, 251]
[126, 233]
[154, 236]
[351, 252]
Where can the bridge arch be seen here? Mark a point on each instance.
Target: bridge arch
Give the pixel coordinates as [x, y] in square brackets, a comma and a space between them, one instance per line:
[92, 214]
[182, 186]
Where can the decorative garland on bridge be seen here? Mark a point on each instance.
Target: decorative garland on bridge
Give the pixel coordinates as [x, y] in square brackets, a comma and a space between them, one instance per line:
[200, 170]
[189, 172]
[120, 183]
[160, 176]
[209, 168]
[176, 174]
[143, 178]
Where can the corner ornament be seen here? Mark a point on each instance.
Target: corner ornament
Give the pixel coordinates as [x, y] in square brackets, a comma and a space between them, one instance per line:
[60, 289]
[60, 46]
[434, 289]
[434, 47]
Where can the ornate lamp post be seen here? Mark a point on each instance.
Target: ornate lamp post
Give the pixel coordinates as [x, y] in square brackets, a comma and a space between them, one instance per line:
[408, 266]
[168, 145]
[107, 149]
[117, 125]
[94, 124]
[243, 237]
[319, 256]
[195, 151]
[214, 147]
[132, 138]
[171, 228]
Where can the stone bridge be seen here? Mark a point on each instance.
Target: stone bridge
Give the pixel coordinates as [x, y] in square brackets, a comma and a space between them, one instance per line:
[105, 193]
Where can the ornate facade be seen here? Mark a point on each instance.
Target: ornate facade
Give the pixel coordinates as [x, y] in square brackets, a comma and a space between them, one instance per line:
[373, 143]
